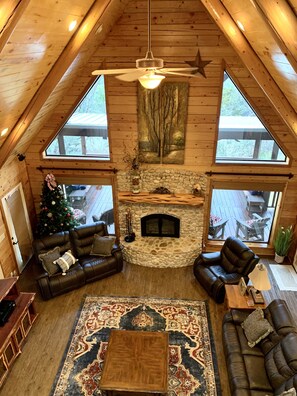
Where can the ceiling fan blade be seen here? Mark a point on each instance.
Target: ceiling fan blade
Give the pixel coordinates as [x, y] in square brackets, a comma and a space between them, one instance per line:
[132, 76]
[174, 69]
[112, 71]
[181, 74]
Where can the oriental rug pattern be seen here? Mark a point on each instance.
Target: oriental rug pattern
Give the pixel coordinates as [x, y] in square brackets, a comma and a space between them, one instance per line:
[192, 360]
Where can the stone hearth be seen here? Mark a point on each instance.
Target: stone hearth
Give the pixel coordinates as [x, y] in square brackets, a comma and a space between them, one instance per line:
[156, 251]
[161, 252]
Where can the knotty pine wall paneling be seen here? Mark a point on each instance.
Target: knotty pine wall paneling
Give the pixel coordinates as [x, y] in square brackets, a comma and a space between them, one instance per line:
[179, 28]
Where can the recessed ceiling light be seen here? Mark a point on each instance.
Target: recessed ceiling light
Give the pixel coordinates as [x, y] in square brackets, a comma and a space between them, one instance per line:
[4, 131]
[240, 25]
[72, 25]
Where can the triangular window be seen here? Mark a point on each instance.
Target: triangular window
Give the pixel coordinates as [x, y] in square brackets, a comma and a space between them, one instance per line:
[85, 133]
[242, 137]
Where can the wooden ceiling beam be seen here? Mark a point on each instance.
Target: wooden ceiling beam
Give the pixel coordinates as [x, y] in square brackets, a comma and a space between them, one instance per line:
[250, 59]
[280, 18]
[10, 13]
[89, 26]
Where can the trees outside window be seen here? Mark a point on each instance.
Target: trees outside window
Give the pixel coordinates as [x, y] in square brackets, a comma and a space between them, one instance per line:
[85, 133]
[242, 136]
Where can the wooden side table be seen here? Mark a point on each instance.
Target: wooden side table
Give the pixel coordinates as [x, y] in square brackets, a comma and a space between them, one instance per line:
[234, 299]
[136, 361]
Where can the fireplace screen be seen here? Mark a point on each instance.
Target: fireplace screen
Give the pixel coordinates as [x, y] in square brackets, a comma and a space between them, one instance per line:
[160, 225]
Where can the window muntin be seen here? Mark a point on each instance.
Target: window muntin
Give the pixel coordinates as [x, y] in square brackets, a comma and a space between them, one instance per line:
[85, 134]
[242, 137]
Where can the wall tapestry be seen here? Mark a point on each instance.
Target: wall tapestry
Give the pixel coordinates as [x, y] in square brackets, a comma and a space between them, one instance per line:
[162, 115]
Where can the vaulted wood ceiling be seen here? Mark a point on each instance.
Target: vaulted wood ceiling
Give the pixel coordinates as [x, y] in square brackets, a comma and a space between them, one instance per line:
[39, 57]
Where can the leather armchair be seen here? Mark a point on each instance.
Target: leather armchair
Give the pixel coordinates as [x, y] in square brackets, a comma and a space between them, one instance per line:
[214, 270]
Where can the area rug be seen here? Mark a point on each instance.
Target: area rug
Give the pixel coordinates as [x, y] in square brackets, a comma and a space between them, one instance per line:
[285, 276]
[192, 359]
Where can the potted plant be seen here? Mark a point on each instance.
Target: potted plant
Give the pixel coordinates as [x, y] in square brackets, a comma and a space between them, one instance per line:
[282, 243]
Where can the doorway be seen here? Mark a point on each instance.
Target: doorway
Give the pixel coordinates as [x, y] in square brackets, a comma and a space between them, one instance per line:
[17, 219]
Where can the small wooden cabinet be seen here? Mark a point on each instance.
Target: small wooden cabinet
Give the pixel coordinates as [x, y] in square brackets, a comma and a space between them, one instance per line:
[15, 331]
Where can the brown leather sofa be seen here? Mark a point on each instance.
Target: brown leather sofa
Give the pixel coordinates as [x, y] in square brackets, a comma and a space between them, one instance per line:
[214, 270]
[87, 269]
[268, 368]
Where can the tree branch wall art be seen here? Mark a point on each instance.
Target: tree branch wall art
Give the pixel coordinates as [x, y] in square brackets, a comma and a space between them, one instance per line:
[162, 116]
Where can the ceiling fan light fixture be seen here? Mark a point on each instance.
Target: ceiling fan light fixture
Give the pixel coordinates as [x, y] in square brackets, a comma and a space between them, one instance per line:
[150, 80]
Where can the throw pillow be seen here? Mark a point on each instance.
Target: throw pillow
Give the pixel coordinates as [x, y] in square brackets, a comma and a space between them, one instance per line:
[66, 261]
[102, 245]
[256, 327]
[289, 392]
[48, 260]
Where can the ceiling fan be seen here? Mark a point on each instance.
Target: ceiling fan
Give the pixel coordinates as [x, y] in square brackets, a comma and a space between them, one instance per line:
[149, 70]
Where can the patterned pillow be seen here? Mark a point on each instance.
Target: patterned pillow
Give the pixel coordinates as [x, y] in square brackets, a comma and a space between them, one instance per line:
[256, 327]
[66, 261]
[48, 260]
[289, 392]
[102, 245]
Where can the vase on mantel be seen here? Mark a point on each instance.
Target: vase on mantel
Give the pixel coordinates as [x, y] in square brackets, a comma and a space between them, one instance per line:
[135, 180]
[278, 259]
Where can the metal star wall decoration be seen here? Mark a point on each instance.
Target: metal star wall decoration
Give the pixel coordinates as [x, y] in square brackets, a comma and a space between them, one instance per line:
[199, 63]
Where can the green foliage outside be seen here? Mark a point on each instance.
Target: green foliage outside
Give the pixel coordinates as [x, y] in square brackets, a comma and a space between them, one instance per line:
[55, 212]
[94, 100]
[233, 103]
[93, 103]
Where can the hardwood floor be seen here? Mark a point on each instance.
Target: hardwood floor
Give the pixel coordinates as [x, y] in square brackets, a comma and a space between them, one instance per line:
[35, 369]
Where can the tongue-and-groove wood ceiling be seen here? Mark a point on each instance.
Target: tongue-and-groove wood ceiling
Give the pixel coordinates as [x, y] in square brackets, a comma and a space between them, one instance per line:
[39, 57]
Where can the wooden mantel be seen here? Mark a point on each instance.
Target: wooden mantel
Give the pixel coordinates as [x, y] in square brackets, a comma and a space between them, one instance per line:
[169, 199]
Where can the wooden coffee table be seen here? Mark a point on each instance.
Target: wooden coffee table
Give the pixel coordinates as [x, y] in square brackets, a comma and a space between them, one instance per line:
[136, 363]
[234, 299]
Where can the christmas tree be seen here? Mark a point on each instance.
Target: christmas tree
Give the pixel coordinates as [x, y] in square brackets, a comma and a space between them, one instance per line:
[55, 213]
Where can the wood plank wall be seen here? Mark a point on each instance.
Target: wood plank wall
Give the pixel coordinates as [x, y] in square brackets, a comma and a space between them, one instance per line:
[179, 28]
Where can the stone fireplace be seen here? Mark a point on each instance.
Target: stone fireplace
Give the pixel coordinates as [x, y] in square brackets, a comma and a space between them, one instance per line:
[173, 221]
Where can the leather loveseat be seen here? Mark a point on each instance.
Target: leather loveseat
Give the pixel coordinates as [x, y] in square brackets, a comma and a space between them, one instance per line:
[269, 367]
[87, 269]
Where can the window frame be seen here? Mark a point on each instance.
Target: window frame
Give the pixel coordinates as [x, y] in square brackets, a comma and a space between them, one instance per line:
[103, 179]
[244, 183]
[90, 157]
[230, 161]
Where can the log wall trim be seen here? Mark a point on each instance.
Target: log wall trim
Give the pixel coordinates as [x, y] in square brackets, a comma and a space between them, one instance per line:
[88, 27]
[281, 19]
[232, 32]
[11, 14]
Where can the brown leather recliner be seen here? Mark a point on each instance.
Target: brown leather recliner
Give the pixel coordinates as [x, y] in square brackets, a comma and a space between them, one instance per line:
[87, 269]
[214, 270]
[268, 368]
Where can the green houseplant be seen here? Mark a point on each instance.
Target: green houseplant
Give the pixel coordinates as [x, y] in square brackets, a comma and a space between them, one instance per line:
[282, 243]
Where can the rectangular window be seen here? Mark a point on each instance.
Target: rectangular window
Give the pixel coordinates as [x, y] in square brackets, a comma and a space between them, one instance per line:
[91, 203]
[245, 214]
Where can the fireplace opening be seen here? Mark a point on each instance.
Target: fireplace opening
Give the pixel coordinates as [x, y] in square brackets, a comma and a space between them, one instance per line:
[160, 225]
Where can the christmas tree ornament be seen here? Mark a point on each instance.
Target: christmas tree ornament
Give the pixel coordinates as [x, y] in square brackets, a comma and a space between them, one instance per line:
[52, 197]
